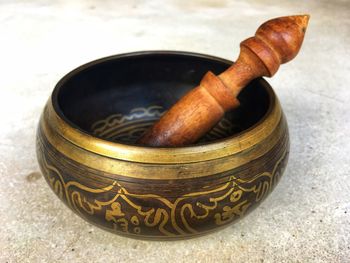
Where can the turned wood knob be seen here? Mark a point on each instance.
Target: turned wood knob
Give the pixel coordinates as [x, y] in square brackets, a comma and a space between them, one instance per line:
[277, 41]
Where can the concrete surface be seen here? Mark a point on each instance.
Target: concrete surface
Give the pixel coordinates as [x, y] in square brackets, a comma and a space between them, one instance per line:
[306, 219]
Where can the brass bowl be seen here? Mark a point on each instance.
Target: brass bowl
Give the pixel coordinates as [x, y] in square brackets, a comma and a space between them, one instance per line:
[86, 149]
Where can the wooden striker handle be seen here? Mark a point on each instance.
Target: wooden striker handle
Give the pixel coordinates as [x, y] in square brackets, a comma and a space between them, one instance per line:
[277, 41]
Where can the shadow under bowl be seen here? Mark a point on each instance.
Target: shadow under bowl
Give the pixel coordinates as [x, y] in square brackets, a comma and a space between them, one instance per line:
[87, 152]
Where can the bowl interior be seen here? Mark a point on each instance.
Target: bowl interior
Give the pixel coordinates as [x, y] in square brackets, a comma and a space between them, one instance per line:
[118, 98]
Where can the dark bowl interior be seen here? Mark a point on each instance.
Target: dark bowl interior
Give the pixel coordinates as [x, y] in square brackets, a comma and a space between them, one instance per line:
[118, 98]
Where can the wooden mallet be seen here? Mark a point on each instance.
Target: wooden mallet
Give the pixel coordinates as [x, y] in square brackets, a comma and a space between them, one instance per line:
[277, 41]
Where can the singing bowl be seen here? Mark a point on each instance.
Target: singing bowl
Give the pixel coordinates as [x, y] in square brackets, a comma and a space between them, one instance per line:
[87, 151]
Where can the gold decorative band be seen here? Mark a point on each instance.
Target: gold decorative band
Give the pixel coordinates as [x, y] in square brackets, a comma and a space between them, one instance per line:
[263, 140]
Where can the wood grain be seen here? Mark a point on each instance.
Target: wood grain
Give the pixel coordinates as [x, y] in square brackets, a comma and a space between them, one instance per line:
[277, 41]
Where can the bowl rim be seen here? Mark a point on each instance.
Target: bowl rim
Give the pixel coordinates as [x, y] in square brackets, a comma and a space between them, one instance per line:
[138, 153]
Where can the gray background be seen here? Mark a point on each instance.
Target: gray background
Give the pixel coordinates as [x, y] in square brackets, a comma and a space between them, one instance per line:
[306, 218]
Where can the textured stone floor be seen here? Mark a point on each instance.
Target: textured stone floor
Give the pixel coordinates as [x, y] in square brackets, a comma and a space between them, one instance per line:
[307, 217]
